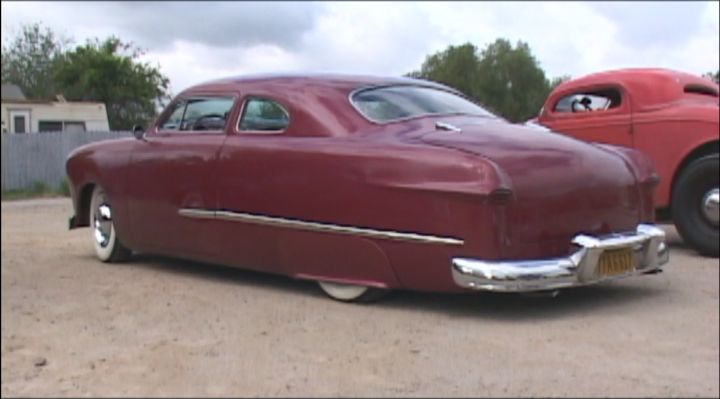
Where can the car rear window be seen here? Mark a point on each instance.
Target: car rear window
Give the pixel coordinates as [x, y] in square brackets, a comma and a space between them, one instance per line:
[391, 103]
[700, 89]
[594, 100]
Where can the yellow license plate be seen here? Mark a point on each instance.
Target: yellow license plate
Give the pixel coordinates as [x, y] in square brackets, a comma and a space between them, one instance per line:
[615, 261]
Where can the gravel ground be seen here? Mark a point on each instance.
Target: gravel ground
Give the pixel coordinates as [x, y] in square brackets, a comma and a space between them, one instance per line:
[72, 326]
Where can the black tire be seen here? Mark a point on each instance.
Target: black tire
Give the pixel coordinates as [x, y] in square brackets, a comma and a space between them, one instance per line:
[110, 250]
[694, 182]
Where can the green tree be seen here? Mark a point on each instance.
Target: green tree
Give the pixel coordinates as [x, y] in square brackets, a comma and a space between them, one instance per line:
[30, 58]
[556, 81]
[456, 66]
[511, 80]
[715, 77]
[109, 71]
[505, 78]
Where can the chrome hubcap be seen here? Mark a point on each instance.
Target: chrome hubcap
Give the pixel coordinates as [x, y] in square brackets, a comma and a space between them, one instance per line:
[711, 206]
[102, 222]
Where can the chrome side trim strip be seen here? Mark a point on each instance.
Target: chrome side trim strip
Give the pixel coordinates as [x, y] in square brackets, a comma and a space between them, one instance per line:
[197, 213]
[318, 227]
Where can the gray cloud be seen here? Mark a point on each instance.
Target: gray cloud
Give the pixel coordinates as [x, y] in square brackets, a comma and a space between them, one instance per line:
[215, 24]
[646, 23]
[197, 41]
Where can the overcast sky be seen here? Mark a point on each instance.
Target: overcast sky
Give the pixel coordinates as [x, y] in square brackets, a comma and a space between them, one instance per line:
[194, 42]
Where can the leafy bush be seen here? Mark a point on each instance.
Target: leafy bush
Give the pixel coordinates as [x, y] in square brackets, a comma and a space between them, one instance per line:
[39, 188]
[64, 188]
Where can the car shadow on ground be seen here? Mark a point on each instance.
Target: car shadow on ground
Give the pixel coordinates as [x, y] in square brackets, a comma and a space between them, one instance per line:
[220, 274]
[676, 243]
[523, 307]
[498, 306]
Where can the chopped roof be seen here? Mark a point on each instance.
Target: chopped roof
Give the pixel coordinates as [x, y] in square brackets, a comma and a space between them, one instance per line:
[337, 80]
[648, 85]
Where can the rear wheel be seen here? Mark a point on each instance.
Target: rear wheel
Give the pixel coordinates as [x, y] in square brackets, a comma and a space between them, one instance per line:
[105, 241]
[351, 292]
[695, 205]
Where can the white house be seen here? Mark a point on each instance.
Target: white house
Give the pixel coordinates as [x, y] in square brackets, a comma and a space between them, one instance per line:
[20, 115]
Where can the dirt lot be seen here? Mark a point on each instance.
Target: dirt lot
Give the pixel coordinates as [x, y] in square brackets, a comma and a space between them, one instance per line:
[72, 326]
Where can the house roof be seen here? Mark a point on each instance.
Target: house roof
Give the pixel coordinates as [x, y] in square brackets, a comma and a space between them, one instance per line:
[12, 92]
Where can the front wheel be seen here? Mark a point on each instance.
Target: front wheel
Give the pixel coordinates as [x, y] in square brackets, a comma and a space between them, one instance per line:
[695, 205]
[105, 241]
[351, 292]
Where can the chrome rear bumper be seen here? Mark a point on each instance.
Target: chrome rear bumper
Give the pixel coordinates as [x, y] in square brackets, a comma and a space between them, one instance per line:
[649, 253]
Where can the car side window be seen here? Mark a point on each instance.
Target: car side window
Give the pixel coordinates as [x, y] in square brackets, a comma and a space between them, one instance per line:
[199, 114]
[262, 115]
[589, 101]
[174, 120]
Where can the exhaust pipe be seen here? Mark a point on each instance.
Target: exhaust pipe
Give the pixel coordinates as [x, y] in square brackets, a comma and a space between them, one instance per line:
[541, 294]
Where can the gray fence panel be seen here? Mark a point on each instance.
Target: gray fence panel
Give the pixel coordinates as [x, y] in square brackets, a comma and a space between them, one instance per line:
[31, 158]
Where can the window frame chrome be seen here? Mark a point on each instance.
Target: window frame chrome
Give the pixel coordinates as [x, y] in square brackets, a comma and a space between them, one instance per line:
[158, 132]
[241, 113]
[382, 86]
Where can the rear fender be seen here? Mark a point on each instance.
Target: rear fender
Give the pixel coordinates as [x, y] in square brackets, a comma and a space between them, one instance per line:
[453, 172]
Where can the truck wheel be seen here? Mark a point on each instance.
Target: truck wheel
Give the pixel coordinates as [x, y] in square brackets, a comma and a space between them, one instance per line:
[695, 204]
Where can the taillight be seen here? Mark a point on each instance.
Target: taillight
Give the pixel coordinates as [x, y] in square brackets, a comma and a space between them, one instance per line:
[501, 196]
[651, 181]
[646, 190]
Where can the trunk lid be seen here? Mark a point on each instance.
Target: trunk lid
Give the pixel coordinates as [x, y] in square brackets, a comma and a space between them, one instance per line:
[561, 186]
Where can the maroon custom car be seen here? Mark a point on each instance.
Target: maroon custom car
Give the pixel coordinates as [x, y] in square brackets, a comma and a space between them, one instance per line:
[368, 184]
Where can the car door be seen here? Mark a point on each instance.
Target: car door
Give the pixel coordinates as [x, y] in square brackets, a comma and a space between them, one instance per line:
[250, 183]
[281, 195]
[599, 114]
[174, 168]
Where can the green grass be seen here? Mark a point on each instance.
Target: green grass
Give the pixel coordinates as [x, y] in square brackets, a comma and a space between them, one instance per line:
[38, 190]
[64, 188]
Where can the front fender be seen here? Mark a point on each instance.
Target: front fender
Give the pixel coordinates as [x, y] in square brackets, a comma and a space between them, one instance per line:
[102, 163]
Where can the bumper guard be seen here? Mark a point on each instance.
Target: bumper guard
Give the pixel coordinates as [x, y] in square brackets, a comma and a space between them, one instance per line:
[647, 244]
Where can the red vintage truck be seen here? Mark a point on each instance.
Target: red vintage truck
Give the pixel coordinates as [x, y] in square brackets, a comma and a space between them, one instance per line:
[671, 116]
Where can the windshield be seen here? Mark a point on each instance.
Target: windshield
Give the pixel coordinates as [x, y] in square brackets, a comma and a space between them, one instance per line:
[386, 104]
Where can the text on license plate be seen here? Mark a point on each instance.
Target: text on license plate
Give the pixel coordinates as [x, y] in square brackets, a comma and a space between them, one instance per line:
[615, 261]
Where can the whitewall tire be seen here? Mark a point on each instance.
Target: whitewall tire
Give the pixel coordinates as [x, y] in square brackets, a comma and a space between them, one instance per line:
[105, 241]
[351, 292]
